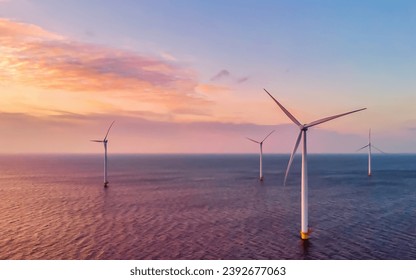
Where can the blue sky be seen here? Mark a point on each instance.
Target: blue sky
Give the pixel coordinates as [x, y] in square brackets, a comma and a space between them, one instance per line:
[318, 57]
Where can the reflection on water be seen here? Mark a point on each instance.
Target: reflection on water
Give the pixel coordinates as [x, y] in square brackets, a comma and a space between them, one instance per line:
[304, 244]
[205, 207]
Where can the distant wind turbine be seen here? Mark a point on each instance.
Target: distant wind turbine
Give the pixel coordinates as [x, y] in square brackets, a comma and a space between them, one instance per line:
[105, 141]
[261, 153]
[304, 233]
[369, 145]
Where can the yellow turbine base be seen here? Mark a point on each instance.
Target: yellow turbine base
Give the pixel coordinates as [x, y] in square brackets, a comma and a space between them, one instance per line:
[304, 235]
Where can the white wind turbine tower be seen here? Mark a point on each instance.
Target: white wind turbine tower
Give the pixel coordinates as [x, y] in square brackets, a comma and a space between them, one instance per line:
[304, 233]
[105, 141]
[261, 153]
[369, 145]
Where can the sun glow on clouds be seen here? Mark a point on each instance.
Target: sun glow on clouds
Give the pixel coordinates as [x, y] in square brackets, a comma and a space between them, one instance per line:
[42, 73]
[52, 85]
[99, 77]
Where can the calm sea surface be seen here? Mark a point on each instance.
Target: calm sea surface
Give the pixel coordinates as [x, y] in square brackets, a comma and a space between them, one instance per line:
[205, 207]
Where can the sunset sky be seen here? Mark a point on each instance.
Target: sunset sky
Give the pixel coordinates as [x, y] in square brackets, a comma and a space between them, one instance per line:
[188, 76]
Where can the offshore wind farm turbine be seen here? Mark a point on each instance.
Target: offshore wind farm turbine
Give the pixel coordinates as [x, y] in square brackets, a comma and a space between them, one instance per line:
[261, 153]
[369, 145]
[105, 141]
[304, 232]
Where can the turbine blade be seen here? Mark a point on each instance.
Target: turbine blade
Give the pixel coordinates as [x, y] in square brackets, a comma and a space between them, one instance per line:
[253, 140]
[284, 110]
[377, 149]
[267, 136]
[362, 148]
[105, 138]
[292, 156]
[331, 118]
[97, 141]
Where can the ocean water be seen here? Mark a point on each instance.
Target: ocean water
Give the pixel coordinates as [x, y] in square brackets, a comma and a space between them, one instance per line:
[205, 207]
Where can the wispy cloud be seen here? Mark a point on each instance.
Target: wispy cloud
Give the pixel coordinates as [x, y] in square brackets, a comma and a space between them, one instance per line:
[225, 75]
[34, 57]
[220, 75]
[168, 56]
[242, 80]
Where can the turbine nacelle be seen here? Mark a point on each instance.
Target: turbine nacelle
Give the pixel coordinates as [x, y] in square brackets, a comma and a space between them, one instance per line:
[262, 140]
[370, 145]
[105, 140]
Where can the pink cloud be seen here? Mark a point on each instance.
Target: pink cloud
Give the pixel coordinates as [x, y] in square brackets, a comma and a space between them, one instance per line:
[35, 57]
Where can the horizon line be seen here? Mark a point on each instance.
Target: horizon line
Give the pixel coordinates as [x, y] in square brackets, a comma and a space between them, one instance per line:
[167, 153]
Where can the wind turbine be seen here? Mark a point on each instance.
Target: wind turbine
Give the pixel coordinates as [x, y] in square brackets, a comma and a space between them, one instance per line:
[261, 153]
[304, 233]
[105, 141]
[369, 145]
